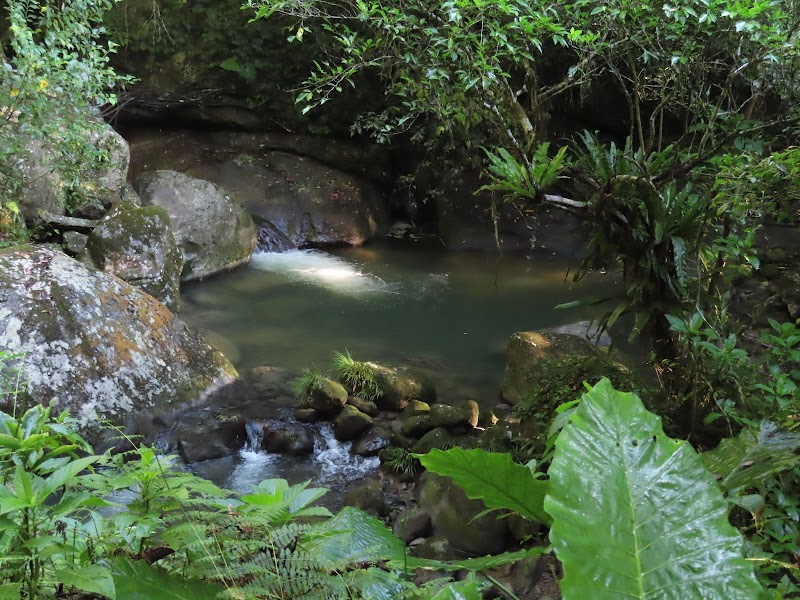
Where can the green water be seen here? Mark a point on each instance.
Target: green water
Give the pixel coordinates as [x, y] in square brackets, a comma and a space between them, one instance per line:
[398, 302]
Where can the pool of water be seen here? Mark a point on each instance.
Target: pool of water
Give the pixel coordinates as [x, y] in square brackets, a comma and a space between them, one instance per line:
[393, 301]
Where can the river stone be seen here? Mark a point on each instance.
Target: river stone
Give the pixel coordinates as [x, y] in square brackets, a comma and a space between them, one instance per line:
[443, 415]
[371, 443]
[369, 497]
[368, 407]
[199, 435]
[415, 407]
[287, 438]
[328, 397]
[412, 523]
[438, 438]
[400, 386]
[137, 245]
[453, 516]
[527, 350]
[214, 233]
[306, 415]
[416, 426]
[96, 345]
[350, 423]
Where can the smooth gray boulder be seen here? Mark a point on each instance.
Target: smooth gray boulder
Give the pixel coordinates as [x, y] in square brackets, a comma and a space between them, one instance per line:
[97, 346]
[137, 245]
[214, 233]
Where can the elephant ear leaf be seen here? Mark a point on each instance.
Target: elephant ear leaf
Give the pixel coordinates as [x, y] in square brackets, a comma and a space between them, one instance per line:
[635, 513]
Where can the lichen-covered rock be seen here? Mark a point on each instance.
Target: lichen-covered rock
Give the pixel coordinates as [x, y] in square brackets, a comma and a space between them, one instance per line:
[415, 407]
[41, 186]
[527, 350]
[328, 397]
[137, 245]
[214, 233]
[96, 345]
[400, 386]
[350, 423]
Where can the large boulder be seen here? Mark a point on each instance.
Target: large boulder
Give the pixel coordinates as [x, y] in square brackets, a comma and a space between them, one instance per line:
[527, 350]
[214, 233]
[98, 346]
[137, 245]
[302, 191]
[43, 188]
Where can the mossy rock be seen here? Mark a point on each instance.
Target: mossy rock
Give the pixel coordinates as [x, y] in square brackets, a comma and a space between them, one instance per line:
[350, 423]
[443, 415]
[416, 426]
[367, 407]
[137, 245]
[369, 497]
[414, 408]
[438, 438]
[401, 385]
[453, 517]
[328, 397]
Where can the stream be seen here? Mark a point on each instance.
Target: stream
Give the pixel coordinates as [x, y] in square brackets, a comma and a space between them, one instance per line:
[392, 301]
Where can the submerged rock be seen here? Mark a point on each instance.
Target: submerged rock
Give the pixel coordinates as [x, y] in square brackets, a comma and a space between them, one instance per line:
[98, 346]
[214, 233]
[137, 245]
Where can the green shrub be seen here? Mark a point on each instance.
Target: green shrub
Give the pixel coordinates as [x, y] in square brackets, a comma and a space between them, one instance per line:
[358, 376]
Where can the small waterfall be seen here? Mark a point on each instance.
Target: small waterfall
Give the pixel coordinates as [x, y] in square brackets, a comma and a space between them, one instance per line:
[337, 464]
[255, 435]
[271, 239]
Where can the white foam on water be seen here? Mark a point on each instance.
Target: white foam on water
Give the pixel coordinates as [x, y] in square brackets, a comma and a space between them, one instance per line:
[336, 463]
[321, 268]
[251, 470]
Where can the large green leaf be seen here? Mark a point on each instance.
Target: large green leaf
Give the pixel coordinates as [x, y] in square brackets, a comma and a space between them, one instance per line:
[493, 478]
[748, 459]
[635, 513]
[95, 579]
[353, 537]
[140, 581]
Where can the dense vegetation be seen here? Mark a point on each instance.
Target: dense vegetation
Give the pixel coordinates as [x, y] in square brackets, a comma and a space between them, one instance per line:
[675, 186]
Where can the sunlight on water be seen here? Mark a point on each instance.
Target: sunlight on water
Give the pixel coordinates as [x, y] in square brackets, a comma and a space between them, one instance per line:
[320, 268]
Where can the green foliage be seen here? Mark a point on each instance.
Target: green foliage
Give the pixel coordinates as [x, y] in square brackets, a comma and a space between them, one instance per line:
[358, 376]
[399, 461]
[44, 499]
[558, 381]
[528, 179]
[308, 380]
[635, 513]
[56, 76]
[720, 379]
[494, 479]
